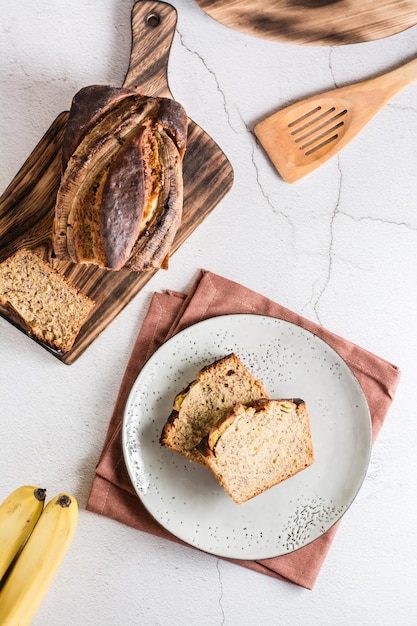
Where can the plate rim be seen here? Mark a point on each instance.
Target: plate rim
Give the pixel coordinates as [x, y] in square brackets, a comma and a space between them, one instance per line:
[217, 318]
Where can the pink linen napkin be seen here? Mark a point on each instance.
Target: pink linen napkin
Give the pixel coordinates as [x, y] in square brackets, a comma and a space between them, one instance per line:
[112, 493]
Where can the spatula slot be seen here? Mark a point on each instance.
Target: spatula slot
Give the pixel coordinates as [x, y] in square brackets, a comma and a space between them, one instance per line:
[321, 145]
[303, 117]
[317, 129]
[316, 138]
[312, 125]
[311, 122]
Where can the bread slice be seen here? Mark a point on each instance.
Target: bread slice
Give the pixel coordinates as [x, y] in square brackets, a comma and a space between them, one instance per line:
[42, 299]
[207, 399]
[256, 447]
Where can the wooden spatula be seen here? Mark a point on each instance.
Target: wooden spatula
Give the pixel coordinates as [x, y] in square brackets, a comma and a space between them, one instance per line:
[303, 136]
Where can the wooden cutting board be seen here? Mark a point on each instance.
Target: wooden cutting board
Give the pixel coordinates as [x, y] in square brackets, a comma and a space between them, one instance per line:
[27, 205]
[315, 22]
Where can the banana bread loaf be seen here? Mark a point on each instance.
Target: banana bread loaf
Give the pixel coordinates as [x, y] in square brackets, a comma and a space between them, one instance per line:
[120, 200]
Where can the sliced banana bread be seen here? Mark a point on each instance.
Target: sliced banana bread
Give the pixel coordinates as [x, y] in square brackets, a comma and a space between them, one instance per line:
[41, 298]
[256, 447]
[207, 399]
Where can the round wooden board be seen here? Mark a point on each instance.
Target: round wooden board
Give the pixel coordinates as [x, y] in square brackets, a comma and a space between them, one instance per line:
[315, 22]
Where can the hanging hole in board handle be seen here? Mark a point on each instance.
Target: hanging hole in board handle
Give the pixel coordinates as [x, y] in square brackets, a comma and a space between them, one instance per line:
[153, 19]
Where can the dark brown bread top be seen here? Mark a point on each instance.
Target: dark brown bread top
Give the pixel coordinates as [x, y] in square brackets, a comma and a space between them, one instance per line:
[171, 117]
[87, 106]
[123, 200]
[120, 199]
[158, 228]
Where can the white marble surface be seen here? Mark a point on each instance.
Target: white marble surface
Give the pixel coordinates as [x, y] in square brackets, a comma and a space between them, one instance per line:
[339, 247]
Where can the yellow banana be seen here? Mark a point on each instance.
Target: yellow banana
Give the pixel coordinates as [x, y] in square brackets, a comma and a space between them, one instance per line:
[18, 515]
[30, 577]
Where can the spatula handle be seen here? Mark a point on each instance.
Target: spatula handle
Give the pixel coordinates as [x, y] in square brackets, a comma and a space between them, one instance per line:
[395, 80]
[153, 29]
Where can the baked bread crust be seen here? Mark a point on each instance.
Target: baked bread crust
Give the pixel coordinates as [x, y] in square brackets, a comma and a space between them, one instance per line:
[122, 180]
[256, 447]
[159, 227]
[122, 207]
[87, 107]
[210, 397]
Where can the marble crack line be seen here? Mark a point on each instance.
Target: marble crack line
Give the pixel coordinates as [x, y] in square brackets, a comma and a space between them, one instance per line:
[221, 591]
[259, 183]
[212, 74]
[272, 206]
[368, 218]
[399, 107]
[331, 68]
[336, 212]
[245, 125]
[316, 302]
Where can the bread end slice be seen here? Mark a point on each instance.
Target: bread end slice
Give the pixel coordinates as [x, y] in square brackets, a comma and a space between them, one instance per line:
[42, 300]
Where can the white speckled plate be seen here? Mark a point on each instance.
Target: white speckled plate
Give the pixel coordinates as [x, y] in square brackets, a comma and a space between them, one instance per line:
[187, 500]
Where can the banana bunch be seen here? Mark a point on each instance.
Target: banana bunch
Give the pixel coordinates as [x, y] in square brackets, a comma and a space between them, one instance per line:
[33, 542]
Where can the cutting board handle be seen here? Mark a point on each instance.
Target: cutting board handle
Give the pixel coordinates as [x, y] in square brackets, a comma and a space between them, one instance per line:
[153, 29]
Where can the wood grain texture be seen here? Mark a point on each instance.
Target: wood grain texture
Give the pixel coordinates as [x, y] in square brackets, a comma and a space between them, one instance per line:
[27, 205]
[315, 22]
[306, 134]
